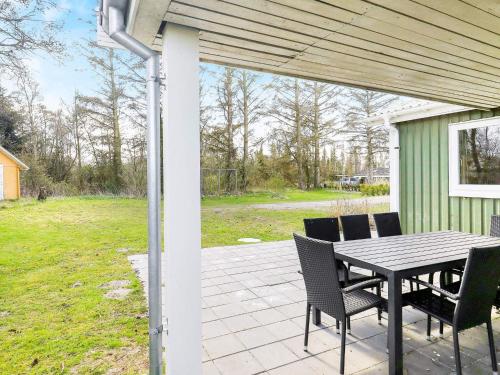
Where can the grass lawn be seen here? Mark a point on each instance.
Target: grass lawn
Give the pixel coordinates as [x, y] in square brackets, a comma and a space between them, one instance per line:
[54, 258]
[288, 195]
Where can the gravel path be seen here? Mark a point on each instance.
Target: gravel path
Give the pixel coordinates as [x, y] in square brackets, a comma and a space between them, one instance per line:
[318, 204]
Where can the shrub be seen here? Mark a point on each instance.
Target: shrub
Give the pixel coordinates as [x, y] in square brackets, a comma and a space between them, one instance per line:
[374, 189]
[276, 183]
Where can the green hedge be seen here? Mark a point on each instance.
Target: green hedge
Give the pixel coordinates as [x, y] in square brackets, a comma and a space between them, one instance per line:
[372, 190]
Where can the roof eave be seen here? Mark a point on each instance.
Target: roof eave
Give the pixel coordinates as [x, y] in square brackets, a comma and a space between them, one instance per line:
[21, 165]
[415, 113]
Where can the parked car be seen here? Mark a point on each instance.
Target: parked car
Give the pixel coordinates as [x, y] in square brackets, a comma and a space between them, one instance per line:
[352, 183]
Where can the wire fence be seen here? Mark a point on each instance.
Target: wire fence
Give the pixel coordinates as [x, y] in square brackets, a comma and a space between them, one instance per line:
[219, 181]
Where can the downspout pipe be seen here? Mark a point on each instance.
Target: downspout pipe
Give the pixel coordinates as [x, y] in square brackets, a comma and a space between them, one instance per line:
[112, 19]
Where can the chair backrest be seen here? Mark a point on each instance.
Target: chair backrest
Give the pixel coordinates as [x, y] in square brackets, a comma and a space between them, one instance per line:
[387, 224]
[325, 228]
[479, 287]
[317, 259]
[495, 226]
[355, 227]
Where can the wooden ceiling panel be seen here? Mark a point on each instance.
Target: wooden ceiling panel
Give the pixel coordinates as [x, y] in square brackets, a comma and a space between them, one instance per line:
[447, 50]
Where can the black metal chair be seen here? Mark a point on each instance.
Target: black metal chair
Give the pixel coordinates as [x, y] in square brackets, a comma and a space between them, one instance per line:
[471, 306]
[387, 224]
[324, 290]
[355, 227]
[327, 229]
[446, 278]
[323, 228]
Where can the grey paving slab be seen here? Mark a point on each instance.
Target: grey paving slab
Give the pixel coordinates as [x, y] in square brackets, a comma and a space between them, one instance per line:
[253, 321]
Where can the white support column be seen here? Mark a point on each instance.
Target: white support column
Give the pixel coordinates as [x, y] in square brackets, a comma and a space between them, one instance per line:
[394, 164]
[181, 147]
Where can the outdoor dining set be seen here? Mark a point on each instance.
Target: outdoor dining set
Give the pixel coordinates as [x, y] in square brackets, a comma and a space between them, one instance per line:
[467, 265]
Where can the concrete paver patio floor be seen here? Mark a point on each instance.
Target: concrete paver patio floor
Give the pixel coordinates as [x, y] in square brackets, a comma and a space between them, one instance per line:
[253, 303]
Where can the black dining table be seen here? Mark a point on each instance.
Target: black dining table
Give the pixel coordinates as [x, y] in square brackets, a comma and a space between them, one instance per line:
[400, 257]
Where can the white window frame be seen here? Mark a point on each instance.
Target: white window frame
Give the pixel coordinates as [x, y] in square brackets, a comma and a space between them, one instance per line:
[456, 189]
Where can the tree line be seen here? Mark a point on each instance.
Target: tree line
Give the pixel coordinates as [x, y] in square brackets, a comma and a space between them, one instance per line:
[271, 131]
[280, 131]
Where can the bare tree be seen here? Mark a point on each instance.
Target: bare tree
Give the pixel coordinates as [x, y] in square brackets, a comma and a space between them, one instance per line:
[371, 139]
[322, 118]
[289, 110]
[250, 104]
[104, 109]
[205, 113]
[29, 97]
[25, 28]
[220, 135]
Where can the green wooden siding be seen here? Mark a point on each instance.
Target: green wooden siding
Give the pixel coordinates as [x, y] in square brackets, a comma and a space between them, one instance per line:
[424, 202]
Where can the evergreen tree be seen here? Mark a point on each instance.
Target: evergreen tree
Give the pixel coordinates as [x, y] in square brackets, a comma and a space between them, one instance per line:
[9, 123]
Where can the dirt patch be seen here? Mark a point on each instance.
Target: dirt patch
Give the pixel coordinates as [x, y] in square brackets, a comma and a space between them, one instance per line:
[115, 284]
[120, 293]
[131, 359]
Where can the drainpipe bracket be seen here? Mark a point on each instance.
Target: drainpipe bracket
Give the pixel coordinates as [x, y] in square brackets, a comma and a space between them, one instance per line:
[156, 331]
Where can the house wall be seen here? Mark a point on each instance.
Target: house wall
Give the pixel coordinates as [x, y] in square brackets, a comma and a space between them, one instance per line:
[424, 201]
[11, 184]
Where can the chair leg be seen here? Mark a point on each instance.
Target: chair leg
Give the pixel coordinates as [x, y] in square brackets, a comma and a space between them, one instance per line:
[342, 347]
[379, 310]
[458, 363]
[348, 319]
[306, 334]
[337, 325]
[428, 328]
[491, 341]
[441, 329]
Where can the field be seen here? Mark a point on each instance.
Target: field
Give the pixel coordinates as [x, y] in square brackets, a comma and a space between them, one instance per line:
[289, 195]
[54, 259]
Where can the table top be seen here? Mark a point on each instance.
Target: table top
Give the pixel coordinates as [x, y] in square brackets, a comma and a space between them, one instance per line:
[411, 253]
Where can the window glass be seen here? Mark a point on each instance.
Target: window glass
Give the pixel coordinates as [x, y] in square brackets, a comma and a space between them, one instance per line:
[479, 153]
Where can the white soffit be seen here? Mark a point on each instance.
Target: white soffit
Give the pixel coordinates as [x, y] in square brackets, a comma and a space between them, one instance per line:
[447, 50]
[425, 110]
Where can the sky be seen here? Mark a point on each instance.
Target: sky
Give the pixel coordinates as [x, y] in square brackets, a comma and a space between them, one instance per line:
[58, 81]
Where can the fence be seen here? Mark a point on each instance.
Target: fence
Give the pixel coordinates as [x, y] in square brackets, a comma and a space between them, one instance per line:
[219, 181]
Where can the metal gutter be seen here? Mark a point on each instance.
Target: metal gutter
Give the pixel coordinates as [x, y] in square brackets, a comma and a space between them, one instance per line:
[112, 16]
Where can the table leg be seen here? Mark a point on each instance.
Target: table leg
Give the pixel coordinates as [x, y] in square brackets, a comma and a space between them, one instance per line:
[395, 325]
[316, 316]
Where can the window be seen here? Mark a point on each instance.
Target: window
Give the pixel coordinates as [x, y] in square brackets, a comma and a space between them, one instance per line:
[474, 157]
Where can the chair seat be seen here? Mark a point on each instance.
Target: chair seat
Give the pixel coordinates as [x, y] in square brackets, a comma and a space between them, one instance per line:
[361, 300]
[431, 304]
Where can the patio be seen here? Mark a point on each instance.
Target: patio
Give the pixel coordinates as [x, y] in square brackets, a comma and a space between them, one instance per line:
[253, 303]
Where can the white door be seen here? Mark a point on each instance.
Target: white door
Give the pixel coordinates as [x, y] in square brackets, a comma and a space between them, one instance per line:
[1, 182]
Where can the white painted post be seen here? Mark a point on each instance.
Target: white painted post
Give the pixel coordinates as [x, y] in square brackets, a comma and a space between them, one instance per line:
[394, 164]
[181, 145]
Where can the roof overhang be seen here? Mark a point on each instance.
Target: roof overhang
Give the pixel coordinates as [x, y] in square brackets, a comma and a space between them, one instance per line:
[415, 113]
[11, 156]
[446, 51]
